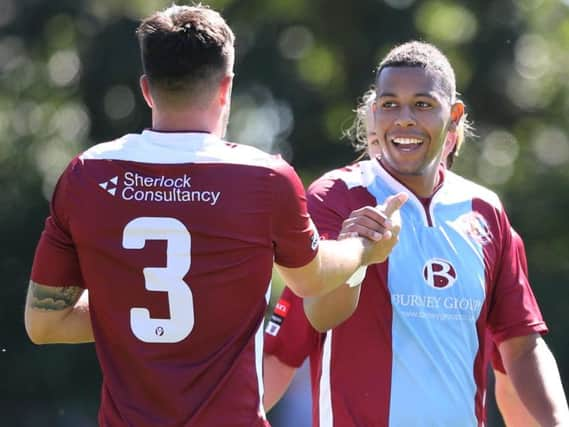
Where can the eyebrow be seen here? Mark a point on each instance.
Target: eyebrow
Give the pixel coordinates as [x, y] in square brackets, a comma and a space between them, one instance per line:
[389, 94]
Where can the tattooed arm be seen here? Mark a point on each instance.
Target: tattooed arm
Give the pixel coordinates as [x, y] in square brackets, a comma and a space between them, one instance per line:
[57, 315]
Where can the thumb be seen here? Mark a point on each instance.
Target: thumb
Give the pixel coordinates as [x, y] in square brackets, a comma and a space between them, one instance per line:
[393, 203]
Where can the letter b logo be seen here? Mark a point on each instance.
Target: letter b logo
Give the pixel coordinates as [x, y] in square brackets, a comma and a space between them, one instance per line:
[439, 273]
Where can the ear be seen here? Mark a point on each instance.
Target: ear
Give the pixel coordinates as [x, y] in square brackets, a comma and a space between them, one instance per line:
[456, 114]
[225, 90]
[145, 89]
[450, 144]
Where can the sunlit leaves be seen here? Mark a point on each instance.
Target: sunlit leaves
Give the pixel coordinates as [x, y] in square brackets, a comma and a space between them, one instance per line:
[446, 22]
[338, 119]
[60, 32]
[500, 150]
[119, 102]
[295, 42]
[551, 146]
[64, 67]
[261, 120]
[320, 67]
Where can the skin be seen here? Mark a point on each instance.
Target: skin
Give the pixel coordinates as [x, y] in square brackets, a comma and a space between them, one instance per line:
[410, 104]
[514, 412]
[277, 377]
[57, 314]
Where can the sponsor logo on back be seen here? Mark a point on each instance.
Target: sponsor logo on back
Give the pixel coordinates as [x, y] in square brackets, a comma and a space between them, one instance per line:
[110, 186]
[133, 186]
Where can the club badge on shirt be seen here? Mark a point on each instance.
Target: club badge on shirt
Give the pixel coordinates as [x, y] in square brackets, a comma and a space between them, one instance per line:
[476, 227]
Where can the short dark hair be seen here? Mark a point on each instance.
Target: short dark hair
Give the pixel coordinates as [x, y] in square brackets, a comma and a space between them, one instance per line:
[424, 55]
[184, 47]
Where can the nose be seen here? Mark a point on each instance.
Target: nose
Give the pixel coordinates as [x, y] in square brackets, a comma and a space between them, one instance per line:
[406, 117]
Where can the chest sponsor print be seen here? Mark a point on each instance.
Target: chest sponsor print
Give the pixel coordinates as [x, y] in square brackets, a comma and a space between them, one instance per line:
[439, 273]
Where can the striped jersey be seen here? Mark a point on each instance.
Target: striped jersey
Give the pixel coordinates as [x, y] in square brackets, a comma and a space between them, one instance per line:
[414, 352]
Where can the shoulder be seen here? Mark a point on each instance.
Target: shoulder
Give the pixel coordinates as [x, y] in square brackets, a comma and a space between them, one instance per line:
[119, 147]
[460, 188]
[174, 148]
[249, 155]
[338, 182]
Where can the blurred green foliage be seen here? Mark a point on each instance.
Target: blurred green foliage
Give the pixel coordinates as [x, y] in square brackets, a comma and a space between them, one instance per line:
[69, 78]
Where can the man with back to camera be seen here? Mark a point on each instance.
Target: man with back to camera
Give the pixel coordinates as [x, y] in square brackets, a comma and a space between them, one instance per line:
[178, 256]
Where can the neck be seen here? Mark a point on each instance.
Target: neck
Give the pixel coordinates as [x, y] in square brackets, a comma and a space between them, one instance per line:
[197, 120]
[423, 185]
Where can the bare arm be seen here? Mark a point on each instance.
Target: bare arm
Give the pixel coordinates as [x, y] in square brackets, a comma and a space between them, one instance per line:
[513, 411]
[330, 310]
[335, 262]
[277, 376]
[380, 225]
[57, 315]
[535, 376]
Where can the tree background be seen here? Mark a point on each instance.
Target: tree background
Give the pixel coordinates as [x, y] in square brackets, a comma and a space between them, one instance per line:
[69, 78]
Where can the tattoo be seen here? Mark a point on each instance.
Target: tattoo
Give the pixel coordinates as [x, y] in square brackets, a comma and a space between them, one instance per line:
[52, 298]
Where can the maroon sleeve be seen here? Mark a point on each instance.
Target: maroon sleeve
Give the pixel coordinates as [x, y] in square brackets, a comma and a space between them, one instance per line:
[496, 359]
[493, 354]
[294, 235]
[514, 310]
[56, 262]
[288, 334]
[329, 205]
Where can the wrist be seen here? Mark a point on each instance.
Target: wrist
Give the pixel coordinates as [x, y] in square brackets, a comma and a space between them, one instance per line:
[357, 277]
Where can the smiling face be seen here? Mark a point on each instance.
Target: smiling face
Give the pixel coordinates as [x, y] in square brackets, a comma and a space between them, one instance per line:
[412, 117]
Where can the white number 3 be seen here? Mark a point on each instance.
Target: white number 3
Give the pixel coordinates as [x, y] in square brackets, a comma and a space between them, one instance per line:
[169, 279]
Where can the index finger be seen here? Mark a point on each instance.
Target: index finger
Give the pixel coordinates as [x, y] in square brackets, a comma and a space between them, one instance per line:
[394, 203]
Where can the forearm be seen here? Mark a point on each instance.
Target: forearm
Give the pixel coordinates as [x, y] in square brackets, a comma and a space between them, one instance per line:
[276, 378]
[335, 262]
[535, 376]
[57, 315]
[328, 311]
[513, 411]
[340, 261]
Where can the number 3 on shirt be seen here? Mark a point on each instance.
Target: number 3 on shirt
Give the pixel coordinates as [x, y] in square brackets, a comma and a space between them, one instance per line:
[168, 279]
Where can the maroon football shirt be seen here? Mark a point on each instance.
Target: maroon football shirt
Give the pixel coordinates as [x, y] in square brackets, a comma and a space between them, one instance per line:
[174, 235]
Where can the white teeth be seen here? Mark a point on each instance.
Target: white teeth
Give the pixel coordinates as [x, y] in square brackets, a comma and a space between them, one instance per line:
[407, 141]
